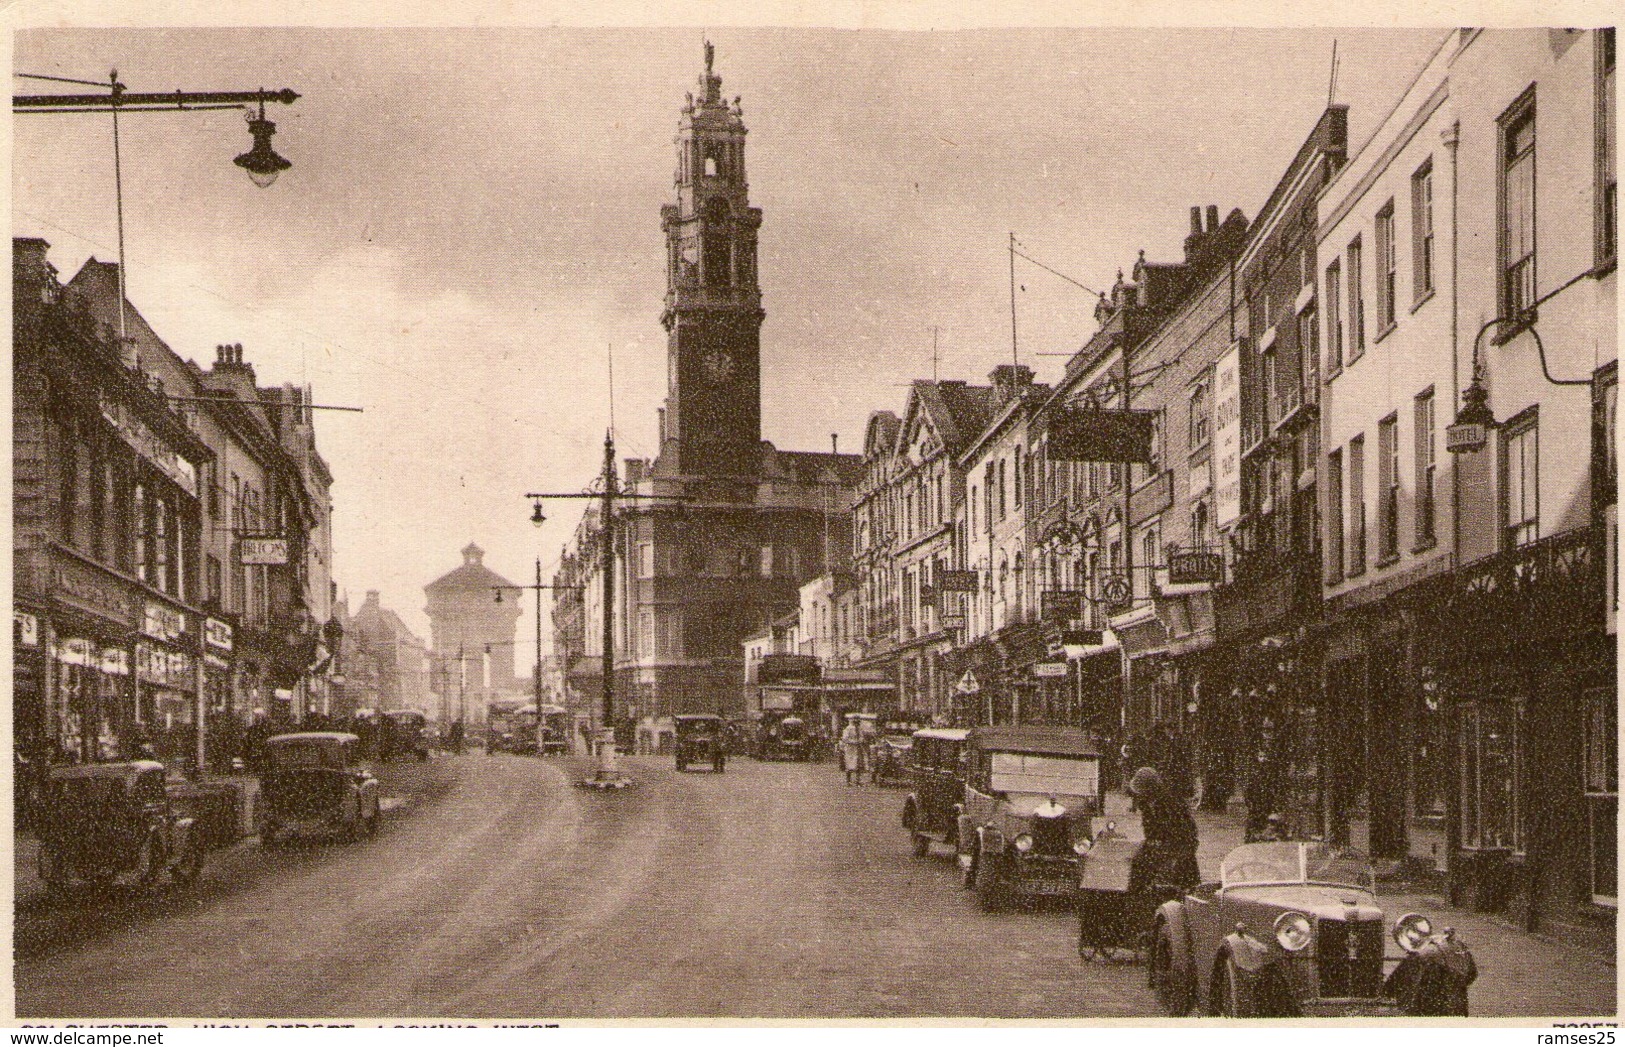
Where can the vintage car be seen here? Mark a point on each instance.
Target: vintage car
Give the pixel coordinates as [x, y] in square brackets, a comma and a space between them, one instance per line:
[1030, 796]
[937, 768]
[889, 749]
[108, 820]
[700, 738]
[316, 782]
[403, 733]
[1293, 929]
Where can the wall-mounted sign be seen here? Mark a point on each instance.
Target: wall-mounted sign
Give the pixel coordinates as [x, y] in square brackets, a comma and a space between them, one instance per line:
[150, 445]
[1227, 438]
[115, 661]
[163, 623]
[1465, 436]
[74, 651]
[1195, 567]
[85, 587]
[24, 629]
[217, 633]
[1049, 670]
[272, 552]
[1063, 605]
[968, 683]
[957, 582]
[1096, 434]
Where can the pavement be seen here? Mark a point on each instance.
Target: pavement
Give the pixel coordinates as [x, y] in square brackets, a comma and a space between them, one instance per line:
[499, 890]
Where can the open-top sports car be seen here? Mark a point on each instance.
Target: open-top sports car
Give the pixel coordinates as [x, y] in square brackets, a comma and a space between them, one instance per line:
[1293, 929]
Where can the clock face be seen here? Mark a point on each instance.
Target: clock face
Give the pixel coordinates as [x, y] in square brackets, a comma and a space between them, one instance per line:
[718, 365]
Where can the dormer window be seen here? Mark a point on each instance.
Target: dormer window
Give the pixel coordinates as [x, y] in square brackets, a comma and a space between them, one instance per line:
[711, 167]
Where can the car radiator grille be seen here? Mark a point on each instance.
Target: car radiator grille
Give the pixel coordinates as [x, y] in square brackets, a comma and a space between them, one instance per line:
[1348, 957]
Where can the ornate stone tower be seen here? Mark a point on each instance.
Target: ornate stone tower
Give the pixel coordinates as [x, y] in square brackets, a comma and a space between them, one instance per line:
[712, 424]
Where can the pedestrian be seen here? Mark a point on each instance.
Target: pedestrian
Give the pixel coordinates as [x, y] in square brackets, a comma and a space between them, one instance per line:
[1264, 787]
[1168, 855]
[852, 752]
[1173, 762]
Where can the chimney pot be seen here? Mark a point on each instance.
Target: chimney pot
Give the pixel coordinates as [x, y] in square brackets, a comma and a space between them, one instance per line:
[1196, 220]
[1212, 217]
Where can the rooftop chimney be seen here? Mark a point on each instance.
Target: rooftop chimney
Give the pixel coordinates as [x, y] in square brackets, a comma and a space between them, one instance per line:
[1011, 380]
[1196, 220]
[1212, 218]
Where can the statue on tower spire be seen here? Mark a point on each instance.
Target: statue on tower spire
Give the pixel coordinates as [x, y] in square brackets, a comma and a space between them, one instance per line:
[710, 53]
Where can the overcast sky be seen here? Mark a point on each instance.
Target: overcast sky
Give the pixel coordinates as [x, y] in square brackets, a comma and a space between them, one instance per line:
[472, 223]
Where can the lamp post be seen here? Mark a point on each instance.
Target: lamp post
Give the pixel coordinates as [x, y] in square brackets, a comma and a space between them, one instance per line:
[262, 163]
[536, 673]
[608, 494]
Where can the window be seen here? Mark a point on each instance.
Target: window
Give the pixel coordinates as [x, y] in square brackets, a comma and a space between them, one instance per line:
[139, 511]
[1356, 298]
[1149, 561]
[1520, 465]
[646, 632]
[1201, 420]
[1271, 390]
[1385, 267]
[1015, 490]
[646, 560]
[1601, 711]
[1003, 492]
[1356, 506]
[1422, 231]
[1517, 226]
[1334, 317]
[1607, 179]
[1388, 488]
[988, 480]
[1489, 761]
[1426, 534]
[1334, 517]
[212, 580]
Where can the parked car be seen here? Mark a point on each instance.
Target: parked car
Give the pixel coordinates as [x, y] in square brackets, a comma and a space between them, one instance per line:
[107, 820]
[936, 766]
[404, 734]
[889, 750]
[316, 782]
[700, 738]
[1293, 929]
[1030, 796]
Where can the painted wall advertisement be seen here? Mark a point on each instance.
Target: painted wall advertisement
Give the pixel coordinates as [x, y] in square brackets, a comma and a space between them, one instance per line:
[1227, 438]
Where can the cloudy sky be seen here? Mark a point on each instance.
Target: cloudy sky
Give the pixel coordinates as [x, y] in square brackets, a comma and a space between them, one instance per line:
[471, 226]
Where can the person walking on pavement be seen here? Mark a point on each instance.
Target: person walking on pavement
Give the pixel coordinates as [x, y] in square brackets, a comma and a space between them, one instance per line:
[1168, 855]
[852, 752]
[1263, 790]
[1173, 761]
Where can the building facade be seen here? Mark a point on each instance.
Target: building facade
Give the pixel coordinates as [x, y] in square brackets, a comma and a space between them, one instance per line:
[472, 635]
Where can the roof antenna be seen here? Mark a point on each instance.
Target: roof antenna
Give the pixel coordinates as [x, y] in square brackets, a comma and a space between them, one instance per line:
[934, 330]
[610, 348]
[1331, 88]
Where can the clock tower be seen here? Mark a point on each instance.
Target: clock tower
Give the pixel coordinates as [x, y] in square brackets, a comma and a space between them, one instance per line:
[712, 424]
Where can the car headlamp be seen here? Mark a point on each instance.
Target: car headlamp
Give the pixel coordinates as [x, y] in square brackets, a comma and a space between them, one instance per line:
[1294, 931]
[1024, 843]
[1081, 846]
[1412, 931]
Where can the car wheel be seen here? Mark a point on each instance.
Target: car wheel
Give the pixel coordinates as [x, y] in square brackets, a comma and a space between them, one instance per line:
[922, 845]
[681, 765]
[989, 891]
[1171, 986]
[1232, 995]
[271, 834]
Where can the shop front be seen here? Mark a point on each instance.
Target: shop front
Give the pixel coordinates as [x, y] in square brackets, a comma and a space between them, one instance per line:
[169, 683]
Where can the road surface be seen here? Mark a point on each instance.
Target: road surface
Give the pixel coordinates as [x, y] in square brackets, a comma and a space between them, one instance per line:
[502, 891]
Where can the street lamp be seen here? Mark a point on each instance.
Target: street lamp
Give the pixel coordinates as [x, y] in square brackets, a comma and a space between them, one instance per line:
[261, 161]
[536, 674]
[606, 776]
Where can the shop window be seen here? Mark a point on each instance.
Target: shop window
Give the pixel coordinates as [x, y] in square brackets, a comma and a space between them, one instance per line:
[1490, 779]
[1602, 792]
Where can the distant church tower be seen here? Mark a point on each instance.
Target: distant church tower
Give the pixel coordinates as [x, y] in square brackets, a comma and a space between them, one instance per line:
[712, 424]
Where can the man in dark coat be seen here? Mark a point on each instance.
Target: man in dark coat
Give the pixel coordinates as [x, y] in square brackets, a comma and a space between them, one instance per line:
[1265, 787]
[1168, 855]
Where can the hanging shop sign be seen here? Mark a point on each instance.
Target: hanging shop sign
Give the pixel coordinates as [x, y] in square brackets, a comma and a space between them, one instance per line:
[163, 623]
[1063, 605]
[24, 629]
[217, 633]
[75, 651]
[968, 684]
[271, 552]
[1097, 434]
[171, 669]
[1227, 438]
[1195, 567]
[149, 445]
[214, 661]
